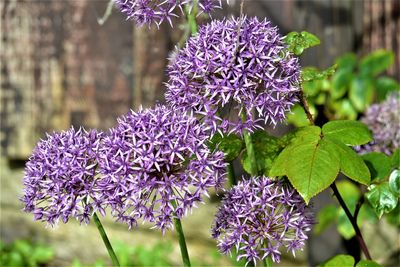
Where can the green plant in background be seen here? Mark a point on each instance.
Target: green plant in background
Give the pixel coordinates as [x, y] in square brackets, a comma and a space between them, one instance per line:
[380, 199]
[157, 255]
[345, 93]
[25, 253]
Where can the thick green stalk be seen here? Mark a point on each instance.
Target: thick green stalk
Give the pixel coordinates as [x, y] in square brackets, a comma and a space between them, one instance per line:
[105, 240]
[249, 149]
[231, 174]
[191, 12]
[267, 262]
[182, 242]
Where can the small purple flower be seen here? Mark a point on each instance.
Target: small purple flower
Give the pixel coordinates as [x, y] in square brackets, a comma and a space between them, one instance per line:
[156, 11]
[384, 121]
[156, 166]
[60, 177]
[259, 216]
[239, 65]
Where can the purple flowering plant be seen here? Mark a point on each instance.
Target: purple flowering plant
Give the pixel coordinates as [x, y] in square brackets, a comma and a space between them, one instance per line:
[232, 78]
[155, 165]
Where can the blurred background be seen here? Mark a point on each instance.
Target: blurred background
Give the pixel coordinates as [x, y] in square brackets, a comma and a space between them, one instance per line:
[61, 66]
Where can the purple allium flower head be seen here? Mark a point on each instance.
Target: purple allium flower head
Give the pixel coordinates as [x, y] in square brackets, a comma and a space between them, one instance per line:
[156, 165]
[384, 121]
[60, 177]
[156, 11]
[259, 216]
[237, 64]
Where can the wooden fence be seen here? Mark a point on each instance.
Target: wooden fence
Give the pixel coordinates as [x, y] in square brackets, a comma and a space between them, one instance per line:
[59, 67]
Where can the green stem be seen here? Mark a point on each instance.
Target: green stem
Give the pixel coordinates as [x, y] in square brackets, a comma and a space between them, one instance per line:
[267, 262]
[353, 220]
[191, 13]
[249, 149]
[106, 240]
[231, 174]
[182, 242]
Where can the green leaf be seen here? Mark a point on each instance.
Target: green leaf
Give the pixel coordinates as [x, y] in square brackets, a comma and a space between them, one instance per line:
[367, 263]
[393, 217]
[266, 149]
[326, 216]
[348, 132]
[376, 62]
[310, 163]
[312, 167]
[394, 182]
[297, 42]
[298, 117]
[341, 83]
[385, 85]
[344, 226]
[347, 62]
[312, 88]
[351, 164]
[395, 159]
[350, 194]
[230, 144]
[339, 260]
[361, 92]
[301, 135]
[343, 109]
[379, 165]
[312, 73]
[381, 198]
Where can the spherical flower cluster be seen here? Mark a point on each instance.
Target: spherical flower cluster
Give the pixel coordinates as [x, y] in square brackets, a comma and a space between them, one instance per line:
[384, 121]
[236, 64]
[156, 11]
[156, 166]
[258, 216]
[60, 177]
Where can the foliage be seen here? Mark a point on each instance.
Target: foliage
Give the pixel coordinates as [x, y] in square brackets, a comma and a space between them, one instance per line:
[315, 156]
[348, 261]
[25, 253]
[354, 86]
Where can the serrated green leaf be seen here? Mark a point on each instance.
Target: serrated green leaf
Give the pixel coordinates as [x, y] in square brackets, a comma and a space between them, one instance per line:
[347, 61]
[381, 198]
[395, 159]
[301, 135]
[341, 83]
[384, 86]
[230, 144]
[339, 260]
[326, 216]
[361, 92]
[312, 167]
[348, 132]
[394, 182]
[379, 165]
[312, 73]
[376, 62]
[279, 165]
[351, 164]
[266, 149]
[367, 263]
[297, 42]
